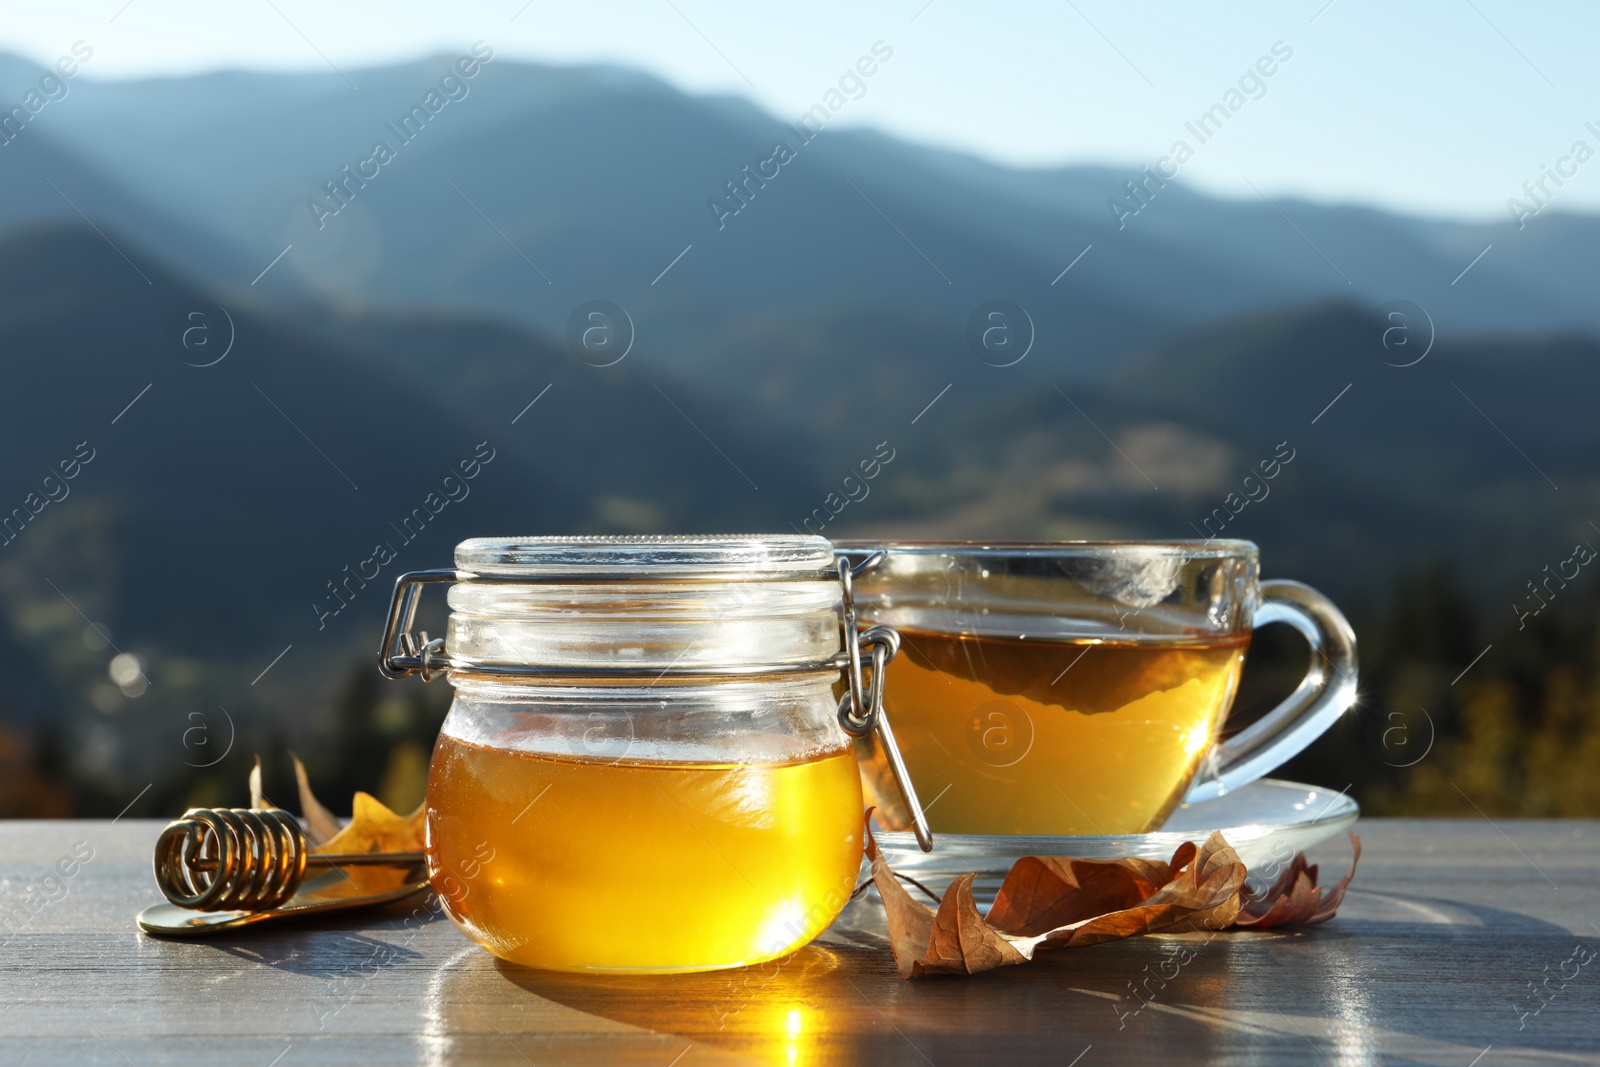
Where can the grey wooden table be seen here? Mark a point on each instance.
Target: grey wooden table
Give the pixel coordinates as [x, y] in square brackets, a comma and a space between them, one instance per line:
[1460, 944]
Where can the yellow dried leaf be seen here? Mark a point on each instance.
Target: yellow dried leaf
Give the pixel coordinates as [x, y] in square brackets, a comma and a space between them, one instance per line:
[374, 828]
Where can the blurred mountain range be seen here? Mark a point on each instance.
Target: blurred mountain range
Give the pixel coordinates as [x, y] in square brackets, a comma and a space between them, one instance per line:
[238, 481]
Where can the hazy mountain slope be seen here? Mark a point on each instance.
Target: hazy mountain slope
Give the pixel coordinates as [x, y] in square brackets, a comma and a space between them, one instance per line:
[642, 448]
[45, 182]
[545, 187]
[1210, 258]
[1280, 371]
[267, 472]
[603, 193]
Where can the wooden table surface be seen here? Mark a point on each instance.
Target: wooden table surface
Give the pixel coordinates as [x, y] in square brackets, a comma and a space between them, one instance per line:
[1448, 930]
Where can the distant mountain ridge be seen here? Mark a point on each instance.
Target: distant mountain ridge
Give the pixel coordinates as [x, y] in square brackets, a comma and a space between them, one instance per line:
[597, 177]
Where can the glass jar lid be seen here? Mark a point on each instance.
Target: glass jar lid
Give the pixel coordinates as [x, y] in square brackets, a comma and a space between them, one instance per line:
[746, 557]
[613, 606]
[652, 604]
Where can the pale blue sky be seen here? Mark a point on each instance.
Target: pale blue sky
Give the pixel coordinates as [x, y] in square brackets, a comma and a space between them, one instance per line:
[1438, 107]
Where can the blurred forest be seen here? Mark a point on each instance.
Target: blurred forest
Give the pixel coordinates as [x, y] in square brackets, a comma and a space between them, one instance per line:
[374, 736]
[1516, 734]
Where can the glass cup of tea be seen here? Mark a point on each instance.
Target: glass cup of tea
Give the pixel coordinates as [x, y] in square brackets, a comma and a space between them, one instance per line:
[1081, 688]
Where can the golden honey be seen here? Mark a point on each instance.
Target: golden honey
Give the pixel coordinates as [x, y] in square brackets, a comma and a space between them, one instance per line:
[1012, 735]
[577, 864]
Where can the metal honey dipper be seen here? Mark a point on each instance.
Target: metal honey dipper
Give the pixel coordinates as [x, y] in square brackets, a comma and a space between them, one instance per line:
[245, 859]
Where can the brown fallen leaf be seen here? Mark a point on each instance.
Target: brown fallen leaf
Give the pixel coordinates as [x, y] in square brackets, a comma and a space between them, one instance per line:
[1295, 899]
[258, 799]
[1057, 903]
[321, 825]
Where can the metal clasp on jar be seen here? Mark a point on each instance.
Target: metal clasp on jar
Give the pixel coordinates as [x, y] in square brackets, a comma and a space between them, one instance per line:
[861, 709]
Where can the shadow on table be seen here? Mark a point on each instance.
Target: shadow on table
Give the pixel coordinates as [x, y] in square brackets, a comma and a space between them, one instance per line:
[1436, 979]
[325, 947]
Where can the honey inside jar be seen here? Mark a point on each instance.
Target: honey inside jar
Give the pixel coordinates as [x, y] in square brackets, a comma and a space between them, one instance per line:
[581, 864]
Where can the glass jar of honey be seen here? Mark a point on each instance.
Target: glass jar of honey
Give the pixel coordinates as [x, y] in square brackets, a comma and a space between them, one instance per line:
[647, 766]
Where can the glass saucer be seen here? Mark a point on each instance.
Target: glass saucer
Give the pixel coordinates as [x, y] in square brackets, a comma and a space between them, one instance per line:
[1266, 822]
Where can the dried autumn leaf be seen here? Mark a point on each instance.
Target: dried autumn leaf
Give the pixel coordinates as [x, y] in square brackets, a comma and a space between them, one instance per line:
[1057, 903]
[1295, 899]
[258, 800]
[1043, 892]
[375, 828]
[961, 942]
[1215, 874]
[321, 825]
[910, 922]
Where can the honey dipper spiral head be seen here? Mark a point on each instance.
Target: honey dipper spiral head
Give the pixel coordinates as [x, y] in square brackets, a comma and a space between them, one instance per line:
[227, 859]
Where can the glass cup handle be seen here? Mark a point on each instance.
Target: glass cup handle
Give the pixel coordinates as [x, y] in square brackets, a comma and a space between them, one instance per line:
[1326, 692]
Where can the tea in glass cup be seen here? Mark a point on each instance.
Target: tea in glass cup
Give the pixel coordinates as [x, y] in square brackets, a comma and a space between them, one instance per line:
[1082, 688]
